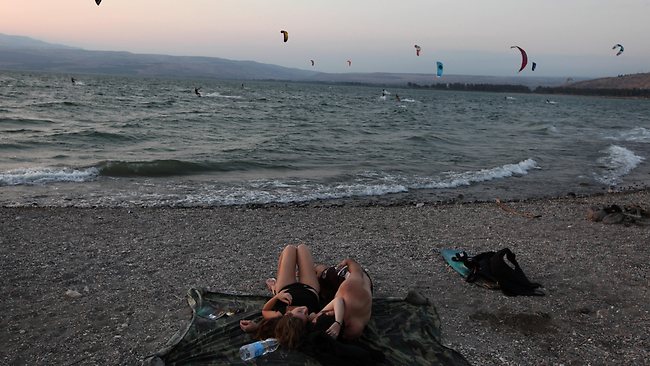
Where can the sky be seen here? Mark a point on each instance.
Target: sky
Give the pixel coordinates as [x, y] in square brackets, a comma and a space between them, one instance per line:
[472, 37]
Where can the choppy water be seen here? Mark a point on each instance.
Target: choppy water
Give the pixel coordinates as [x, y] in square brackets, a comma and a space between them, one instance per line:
[114, 141]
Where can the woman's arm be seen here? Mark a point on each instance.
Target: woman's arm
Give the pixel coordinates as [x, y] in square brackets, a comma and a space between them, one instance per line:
[267, 309]
[353, 266]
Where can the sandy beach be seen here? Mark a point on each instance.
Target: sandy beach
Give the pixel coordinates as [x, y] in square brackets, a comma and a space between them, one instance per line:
[126, 272]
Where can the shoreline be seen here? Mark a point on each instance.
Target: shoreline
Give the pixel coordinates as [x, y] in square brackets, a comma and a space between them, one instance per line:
[132, 267]
[434, 196]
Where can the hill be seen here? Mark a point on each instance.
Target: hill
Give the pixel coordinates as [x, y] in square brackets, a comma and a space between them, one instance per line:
[9, 42]
[633, 81]
[26, 54]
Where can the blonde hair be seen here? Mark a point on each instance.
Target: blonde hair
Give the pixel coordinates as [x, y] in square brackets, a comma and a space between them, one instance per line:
[290, 331]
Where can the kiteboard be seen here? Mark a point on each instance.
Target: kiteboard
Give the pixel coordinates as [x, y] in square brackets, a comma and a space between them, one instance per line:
[458, 266]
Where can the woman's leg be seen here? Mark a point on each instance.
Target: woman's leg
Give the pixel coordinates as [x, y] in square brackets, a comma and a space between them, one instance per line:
[286, 267]
[306, 267]
[319, 268]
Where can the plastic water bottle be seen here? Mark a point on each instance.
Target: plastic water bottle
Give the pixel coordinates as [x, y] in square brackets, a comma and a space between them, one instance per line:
[259, 348]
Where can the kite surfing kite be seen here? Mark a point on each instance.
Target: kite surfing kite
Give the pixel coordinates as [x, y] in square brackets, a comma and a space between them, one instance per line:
[439, 68]
[285, 34]
[312, 62]
[620, 47]
[534, 66]
[417, 50]
[98, 2]
[349, 63]
[524, 57]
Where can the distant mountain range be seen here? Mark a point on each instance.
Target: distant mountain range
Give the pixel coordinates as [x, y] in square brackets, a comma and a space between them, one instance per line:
[18, 42]
[26, 54]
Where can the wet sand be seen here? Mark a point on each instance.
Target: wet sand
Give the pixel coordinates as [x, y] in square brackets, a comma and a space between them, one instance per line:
[126, 272]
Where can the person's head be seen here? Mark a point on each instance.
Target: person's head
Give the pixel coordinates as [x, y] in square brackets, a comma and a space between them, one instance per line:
[291, 328]
[300, 312]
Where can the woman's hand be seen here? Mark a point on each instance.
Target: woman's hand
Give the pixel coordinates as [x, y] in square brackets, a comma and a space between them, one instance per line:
[334, 330]
[284, 296]
[342, 264]
[314, 317]
[247, 326]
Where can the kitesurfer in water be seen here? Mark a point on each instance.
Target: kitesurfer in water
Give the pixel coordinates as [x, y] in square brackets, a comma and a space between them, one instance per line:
[74, 81]
[197, 91]
[383, 92]
[397, 98]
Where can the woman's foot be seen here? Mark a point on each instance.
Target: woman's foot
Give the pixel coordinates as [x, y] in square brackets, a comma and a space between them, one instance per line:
[270, 284]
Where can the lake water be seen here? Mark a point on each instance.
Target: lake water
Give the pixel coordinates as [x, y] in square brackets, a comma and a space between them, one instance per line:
[114, 141]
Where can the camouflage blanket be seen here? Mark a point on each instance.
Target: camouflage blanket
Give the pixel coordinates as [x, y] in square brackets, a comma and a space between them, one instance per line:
[406, 331]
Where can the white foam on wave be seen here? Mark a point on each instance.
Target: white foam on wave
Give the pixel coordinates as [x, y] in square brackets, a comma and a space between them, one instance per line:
[245, 195]
[639, 134]
[31, 176]
[365, 185]
[218, 95]
[617, 163]
[455, 179]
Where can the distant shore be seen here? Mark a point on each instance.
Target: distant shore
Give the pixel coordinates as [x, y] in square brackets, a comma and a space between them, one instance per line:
[126, 271]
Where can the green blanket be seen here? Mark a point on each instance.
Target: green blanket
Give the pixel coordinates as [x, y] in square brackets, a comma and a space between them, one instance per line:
[406, 331]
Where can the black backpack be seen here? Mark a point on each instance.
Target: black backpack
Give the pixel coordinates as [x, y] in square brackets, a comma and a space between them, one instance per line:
[493, 268]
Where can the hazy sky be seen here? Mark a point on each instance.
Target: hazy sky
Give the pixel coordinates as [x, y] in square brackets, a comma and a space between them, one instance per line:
[564, 37]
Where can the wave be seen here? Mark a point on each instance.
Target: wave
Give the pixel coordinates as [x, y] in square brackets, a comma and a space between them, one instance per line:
[20, 131]
[457, 179]
[218, 95]
[156, 168]
[25, 121]
[239, 196]
[34, 176]
[95, 136]
[617, 163]
[639, 134]
[168, 168]
[158, 103]
[364, 185]
[57, 103]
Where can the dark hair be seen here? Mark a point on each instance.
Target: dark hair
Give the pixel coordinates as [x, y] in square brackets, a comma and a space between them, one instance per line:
[323, 323]
[290, 331]
[329, 281]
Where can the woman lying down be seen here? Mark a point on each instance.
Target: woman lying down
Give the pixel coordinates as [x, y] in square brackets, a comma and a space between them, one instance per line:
[296, 308]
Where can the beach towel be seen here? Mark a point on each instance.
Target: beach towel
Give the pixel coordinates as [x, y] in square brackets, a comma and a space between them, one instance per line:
[405, 331]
